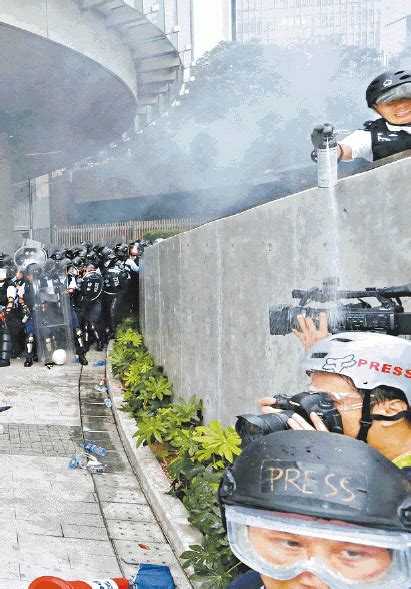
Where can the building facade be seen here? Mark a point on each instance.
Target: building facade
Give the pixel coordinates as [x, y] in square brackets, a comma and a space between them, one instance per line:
[363, 23]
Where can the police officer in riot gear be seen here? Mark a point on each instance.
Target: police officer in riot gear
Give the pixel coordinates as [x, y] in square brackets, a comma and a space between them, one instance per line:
[301, 512]
[74, 269]
[7, 298]
[389, 95]
[133, 267]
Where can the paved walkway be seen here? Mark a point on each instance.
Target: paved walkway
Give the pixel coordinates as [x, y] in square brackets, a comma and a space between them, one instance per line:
[60, 522]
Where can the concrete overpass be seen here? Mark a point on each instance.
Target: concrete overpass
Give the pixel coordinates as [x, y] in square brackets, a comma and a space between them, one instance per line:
[77, 74]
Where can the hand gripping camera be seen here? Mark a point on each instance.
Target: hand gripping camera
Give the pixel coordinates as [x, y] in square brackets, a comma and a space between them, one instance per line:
[251, 427]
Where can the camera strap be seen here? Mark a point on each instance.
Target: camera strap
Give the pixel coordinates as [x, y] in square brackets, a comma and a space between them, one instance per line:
[395, 417]
[366, 418]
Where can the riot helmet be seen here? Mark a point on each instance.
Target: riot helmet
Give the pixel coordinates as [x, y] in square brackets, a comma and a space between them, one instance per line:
[297, 489]
[34, 270]
[371, 361]
[86, 245]
[121, 249]
[390, 85]
[76, 265]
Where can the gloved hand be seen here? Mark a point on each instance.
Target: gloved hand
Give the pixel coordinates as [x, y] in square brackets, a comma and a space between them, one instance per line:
[318, 133]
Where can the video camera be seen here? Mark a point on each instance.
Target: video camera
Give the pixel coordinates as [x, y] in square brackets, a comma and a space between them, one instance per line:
[388, 317]
[251, 427]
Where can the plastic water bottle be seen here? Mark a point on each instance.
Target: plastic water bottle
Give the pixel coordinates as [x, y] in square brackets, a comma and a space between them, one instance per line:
[108, 403]
[100, 363]
[73, 464]
[94, 449]
[327, 159]
[78, 461]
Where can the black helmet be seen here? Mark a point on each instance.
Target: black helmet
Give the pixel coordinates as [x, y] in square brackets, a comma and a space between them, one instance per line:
[121, 249]
[92, 258]
[86, 244]
[385, 84]
[77, 262]
[34, 269]
[320, 475]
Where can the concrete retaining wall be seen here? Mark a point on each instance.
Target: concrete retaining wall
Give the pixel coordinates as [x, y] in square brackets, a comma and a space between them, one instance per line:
[207, 292]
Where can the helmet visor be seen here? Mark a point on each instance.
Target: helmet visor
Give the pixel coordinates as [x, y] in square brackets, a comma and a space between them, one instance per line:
[403, 91]
[283, 546]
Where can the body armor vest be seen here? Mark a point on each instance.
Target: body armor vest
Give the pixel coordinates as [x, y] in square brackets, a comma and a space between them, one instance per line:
[3, 293]
[386, 142]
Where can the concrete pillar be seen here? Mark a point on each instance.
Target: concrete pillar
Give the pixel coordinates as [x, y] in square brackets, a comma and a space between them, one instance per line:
[6, 208]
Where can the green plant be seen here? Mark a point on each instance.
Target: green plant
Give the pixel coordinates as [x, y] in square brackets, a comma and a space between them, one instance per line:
[129, 337]
[150, 429]
[194, 455]
[161, 233]
[216, 444]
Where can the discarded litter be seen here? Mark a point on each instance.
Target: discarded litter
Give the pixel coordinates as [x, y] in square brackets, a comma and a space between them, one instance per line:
[95, 467]
[101, 388]
[94, 449]
[78, 461]
[108, 403]
[100, 363]
[92, 465]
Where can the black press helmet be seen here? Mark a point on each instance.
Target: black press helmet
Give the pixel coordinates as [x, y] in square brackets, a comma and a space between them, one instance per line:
[315, 474]
[388, 86]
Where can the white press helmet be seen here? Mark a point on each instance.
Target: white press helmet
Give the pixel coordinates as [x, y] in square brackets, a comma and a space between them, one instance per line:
[370, 360]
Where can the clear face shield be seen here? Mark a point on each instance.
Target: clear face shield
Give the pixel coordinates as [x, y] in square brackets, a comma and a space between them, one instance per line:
[403, 91]
[342, 393]
[343, 556]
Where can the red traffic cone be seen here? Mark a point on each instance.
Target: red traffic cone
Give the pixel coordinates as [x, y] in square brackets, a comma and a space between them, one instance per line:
[56, 583]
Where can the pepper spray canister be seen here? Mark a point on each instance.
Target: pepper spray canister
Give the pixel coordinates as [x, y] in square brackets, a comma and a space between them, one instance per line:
[327, 159]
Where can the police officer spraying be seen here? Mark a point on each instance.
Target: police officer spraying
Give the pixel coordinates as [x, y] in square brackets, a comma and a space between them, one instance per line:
[389, 95]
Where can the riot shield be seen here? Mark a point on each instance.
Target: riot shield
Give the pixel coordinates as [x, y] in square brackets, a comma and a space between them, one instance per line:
[51, 314]
[27, 255]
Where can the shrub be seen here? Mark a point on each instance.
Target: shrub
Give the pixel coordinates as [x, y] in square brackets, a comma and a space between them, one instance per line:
[195, 455]
[164, 233]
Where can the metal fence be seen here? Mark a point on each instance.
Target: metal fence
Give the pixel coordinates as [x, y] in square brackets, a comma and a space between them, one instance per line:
[125, 231]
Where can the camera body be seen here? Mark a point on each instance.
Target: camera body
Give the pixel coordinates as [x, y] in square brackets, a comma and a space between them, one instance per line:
[251, 427]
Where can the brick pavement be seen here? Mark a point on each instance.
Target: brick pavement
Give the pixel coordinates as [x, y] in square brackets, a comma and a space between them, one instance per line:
[62, 522]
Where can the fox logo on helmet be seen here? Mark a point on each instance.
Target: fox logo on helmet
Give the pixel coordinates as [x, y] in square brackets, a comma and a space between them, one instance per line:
[339, 364]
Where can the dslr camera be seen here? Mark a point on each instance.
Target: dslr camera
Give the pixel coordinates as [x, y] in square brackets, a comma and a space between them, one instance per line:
[251, 427]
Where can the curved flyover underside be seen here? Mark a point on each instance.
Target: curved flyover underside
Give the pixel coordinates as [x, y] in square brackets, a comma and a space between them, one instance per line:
[56, 105]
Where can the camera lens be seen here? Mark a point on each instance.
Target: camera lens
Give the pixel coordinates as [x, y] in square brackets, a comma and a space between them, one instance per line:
[252, 427]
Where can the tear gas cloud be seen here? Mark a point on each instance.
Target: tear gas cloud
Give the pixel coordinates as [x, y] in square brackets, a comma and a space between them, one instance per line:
[250, 110]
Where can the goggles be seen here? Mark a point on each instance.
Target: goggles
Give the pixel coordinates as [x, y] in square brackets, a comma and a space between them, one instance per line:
[343, 556]
[403, 91]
